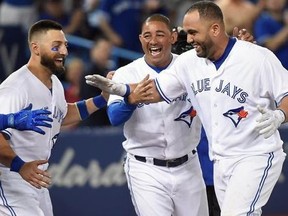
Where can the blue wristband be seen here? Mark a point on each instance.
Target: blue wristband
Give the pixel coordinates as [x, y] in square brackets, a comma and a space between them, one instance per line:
[4, 121]
[99, 101]
[82, 107]
[16, 164]
[127, 91]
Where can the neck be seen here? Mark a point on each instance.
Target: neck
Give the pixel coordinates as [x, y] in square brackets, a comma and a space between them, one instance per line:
[42, 73]
[162, 64]
[219, 48]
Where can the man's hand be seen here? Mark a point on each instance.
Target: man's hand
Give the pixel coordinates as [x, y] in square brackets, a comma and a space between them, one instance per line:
[35, 176]
[28, 119]
[107, 85]
[269, 121]
[141, 93]
[243, 34]
[109, 75]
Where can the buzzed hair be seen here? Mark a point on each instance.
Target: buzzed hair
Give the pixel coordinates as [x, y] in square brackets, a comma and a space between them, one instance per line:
[43, 26]
[207, 10]
[159, 18]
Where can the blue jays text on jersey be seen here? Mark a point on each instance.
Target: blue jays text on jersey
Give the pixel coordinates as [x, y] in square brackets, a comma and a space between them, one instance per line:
[58, 114]
[229, 89]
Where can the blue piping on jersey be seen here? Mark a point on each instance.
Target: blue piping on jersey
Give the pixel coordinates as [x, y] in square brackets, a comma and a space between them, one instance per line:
[261, 184]
[161, 92]
[119, 112]
[219, 61]
[5, 203]
[159, 69]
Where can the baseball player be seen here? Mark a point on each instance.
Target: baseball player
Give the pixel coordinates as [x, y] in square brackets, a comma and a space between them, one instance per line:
[239, 91]
[180, 47]
[162, 167]
[36, 83]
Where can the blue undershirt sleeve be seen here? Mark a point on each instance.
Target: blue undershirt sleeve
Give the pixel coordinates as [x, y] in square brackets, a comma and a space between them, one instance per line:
[119, 112]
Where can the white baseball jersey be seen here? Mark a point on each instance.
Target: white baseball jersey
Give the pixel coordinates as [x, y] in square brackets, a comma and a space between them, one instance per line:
[226, 99]
[19, 90]
[163, 131]
[246, 166]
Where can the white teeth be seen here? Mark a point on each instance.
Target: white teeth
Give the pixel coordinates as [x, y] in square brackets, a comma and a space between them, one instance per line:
[155, 51]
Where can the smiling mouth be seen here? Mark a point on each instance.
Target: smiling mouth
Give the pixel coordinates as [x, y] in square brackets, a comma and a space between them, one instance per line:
[59, 61]
[197, 47]
[155, 51]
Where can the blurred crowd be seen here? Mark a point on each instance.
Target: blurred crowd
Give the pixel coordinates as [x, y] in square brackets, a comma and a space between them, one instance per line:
[117, 23]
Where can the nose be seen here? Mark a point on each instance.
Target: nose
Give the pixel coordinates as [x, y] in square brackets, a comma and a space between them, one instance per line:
[153, 40]
[190, 38]
[63, 50]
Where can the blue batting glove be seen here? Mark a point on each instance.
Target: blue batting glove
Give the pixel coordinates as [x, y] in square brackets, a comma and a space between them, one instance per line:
[28, 119]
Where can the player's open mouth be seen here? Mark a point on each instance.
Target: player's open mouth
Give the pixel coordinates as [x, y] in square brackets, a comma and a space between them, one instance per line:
[197, 47]
[155, 51]
[59, 60]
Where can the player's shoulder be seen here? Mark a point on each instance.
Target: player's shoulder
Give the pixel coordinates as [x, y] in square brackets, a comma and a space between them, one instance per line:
[190, 54]
[189, 58]
[130, 71]
[249, 51]
[17, 78]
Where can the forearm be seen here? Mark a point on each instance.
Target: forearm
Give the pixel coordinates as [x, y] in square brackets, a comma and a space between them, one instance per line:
[120, 112]
[6, 152]
[83, 109]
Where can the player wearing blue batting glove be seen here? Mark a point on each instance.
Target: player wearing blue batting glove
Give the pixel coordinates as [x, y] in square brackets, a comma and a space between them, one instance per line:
[26, 119]
[24, 154]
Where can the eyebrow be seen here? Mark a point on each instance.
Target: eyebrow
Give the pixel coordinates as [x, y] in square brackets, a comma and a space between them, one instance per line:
[149, 32]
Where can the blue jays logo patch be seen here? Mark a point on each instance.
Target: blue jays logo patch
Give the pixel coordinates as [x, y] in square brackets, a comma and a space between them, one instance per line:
[236, 115]
[187, 116]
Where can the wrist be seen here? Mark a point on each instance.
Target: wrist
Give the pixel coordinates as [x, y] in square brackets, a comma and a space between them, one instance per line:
[128, 104]
[127, 93]
[16, 164]
[9, 120]
[130, 99]
[82, 108]
[99, 101]
[5, 121]
[281, 115]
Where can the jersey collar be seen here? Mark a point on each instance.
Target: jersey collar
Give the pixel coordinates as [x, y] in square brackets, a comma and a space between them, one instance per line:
[219, 61]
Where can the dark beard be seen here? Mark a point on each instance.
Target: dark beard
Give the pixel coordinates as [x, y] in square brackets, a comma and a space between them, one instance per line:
[50, 64]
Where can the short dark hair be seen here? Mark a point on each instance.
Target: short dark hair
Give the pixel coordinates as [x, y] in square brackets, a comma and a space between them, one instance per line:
[207, 10]
[160, 18]
[43, 26]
